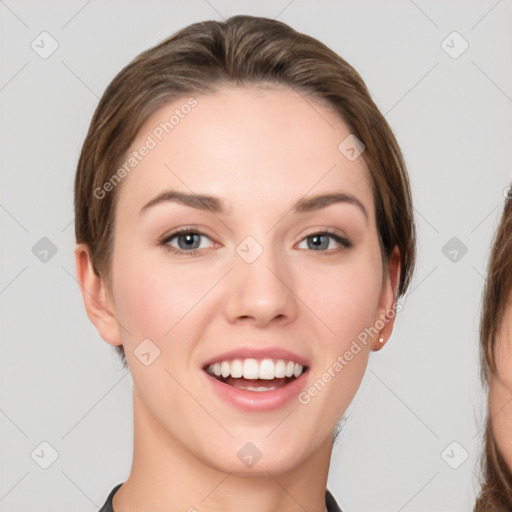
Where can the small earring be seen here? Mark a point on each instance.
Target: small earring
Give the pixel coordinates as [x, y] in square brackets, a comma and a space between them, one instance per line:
[381, 339]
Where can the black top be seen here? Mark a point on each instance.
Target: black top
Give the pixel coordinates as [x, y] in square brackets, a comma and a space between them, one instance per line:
[330, 502]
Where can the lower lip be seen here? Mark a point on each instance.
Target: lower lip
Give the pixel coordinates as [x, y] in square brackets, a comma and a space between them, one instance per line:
[258, 401]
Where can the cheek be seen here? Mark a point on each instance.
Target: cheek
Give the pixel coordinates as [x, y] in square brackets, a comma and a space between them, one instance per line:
[153, 295]
[345, 299]
[500, 410]
[345, 296]
[500, 389]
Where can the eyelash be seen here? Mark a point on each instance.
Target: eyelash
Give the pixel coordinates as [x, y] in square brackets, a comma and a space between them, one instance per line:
[344, 242]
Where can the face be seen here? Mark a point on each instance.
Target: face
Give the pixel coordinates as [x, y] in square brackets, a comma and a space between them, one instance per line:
[253, 277]
[500, 388]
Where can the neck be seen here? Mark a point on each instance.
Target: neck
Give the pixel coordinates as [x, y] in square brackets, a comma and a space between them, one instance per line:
[166, 475]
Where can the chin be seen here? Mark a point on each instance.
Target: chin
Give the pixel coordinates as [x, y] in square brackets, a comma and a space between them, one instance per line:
[258, 458]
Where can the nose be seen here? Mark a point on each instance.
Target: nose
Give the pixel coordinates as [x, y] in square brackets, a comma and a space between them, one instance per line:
[261, 291]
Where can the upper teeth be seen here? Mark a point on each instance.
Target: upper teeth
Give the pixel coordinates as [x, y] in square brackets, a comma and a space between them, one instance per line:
[254, 369]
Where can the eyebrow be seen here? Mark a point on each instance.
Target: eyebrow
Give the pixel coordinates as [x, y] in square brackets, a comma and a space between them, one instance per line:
[217, 205]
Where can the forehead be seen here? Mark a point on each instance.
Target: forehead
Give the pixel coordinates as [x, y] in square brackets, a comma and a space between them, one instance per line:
[253, 146]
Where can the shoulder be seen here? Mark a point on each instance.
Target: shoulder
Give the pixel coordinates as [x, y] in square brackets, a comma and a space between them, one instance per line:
[330, 502]
[107, 507]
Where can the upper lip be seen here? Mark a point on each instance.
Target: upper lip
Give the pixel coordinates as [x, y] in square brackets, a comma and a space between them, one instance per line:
[259, 354]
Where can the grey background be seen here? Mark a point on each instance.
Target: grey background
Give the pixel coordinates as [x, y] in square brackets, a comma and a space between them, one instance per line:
[62, 384]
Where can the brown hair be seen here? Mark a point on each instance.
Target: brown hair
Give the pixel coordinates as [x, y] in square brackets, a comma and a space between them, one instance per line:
[243, 50]
[496, 492]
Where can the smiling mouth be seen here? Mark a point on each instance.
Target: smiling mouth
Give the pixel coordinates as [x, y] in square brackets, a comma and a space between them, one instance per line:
[254, 384]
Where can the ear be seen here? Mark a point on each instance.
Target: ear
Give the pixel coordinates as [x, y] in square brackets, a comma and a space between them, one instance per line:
[98, 303]
[386, 314]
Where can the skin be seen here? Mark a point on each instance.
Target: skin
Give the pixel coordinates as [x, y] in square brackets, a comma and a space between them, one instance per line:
[259, 150]
[500, 388]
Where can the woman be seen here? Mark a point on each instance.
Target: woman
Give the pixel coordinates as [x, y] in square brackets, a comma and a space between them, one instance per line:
[244, 229]
[496, 365]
